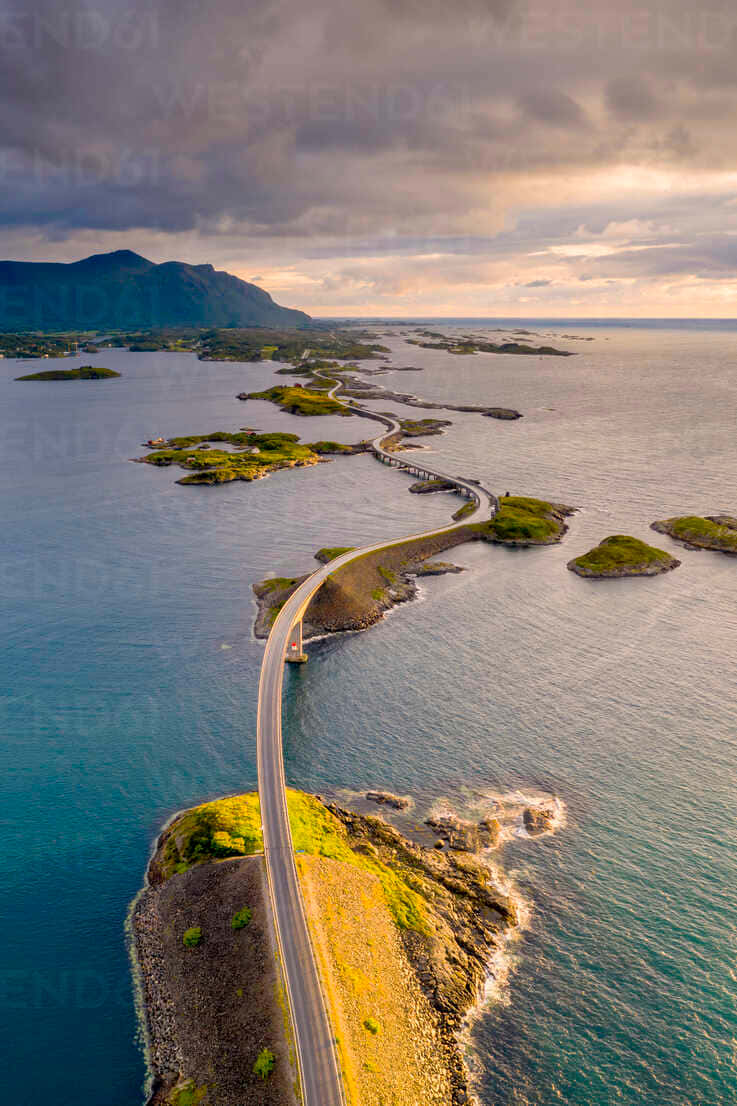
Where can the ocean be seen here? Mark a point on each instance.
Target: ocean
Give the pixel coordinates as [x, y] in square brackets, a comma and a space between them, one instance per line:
[130, 674]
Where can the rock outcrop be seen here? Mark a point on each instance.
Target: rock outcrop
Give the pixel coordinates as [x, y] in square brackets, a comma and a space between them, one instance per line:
[386, 798]
[467, 918]
[462, 836]
[538, 820]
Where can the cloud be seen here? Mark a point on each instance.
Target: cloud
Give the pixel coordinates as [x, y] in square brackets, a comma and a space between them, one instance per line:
[374, 138]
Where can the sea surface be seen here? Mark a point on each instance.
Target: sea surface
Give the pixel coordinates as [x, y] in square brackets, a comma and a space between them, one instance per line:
[129, 678]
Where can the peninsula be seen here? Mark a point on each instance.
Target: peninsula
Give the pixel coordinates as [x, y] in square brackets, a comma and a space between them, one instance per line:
[718, 532]
[621, 555]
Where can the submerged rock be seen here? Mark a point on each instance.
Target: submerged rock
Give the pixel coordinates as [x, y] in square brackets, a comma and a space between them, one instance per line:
[507, 413]
[468, 837]
[386, 798]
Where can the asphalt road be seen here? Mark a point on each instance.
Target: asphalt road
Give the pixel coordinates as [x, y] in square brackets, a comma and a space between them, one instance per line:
[315, 1042]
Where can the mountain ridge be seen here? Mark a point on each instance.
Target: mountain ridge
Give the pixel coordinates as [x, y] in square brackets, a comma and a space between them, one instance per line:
[123, 290]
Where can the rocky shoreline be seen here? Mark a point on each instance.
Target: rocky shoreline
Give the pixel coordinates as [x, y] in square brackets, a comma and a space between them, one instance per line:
[207, 1011]
[467, 918]
[331, 611]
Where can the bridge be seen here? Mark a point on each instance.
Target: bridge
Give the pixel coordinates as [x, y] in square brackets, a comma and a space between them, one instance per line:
[319, 1071]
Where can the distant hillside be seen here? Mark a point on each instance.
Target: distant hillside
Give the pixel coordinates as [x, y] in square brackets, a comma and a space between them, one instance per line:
[123, 290]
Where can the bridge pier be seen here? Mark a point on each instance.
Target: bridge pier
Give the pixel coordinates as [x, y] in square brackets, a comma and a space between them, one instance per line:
[295, 653]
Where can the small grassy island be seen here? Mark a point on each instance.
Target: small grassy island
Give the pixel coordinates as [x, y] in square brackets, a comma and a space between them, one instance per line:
[621, 555]
[402, 933]
[523, 521]
[254, 455]
[718, 532]
[84, 372]
[299, 401]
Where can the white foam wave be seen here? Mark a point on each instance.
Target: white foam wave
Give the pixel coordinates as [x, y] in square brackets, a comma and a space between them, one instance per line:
[509, 807]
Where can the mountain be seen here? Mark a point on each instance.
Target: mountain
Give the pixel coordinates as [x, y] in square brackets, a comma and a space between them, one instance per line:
[123, 291]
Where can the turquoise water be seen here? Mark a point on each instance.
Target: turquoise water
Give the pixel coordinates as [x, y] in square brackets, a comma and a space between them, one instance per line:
[130, 677]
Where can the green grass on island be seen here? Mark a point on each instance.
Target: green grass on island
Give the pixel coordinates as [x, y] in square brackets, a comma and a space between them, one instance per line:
[187, 1094]
[300, 401]
[254, 456]
[522, 520]
[718, 532]
[277, 583]
[465, 510]
[622, 555]
[329, 553]
[84, 372]
[231, 827]
[335, 447]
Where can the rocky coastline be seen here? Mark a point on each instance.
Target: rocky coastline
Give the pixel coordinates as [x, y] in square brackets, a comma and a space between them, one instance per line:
[467, 918]
[208, 1011]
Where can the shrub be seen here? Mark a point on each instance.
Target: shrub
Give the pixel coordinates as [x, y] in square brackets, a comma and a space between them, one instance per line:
[372, 1025]
[265, 1062]
[192, 937]
[242, 918]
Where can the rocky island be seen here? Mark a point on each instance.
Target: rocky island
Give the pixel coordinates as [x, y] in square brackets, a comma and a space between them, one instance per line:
[252, 456]
[718, 532]
[84, 372]
[467, 345]
[403, 935]
[621, 555]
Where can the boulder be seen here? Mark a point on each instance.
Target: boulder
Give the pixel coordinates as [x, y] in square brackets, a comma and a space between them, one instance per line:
[538, 820]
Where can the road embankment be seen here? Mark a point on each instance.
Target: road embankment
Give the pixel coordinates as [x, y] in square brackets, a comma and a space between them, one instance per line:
[212, 1002]
[360, 593]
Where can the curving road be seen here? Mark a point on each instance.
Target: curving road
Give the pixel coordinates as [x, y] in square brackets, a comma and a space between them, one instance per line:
[318, 1065]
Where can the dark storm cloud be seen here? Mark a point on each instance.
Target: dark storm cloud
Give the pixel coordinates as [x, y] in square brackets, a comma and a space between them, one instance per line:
[387, 125]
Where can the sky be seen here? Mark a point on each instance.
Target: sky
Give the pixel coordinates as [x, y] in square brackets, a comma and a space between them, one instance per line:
[385, 157]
